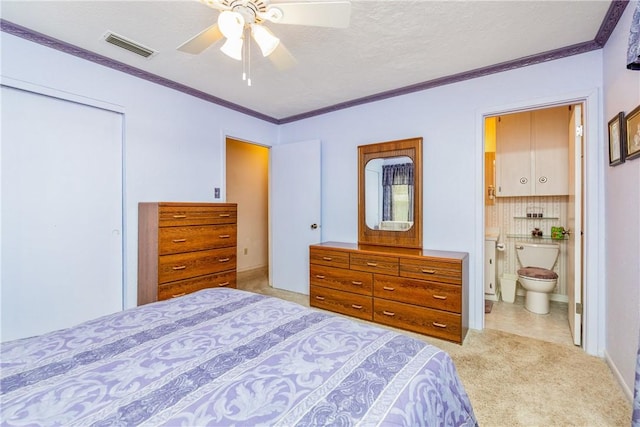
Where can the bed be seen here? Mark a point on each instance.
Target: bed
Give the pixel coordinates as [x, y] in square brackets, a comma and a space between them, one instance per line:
[227, 357]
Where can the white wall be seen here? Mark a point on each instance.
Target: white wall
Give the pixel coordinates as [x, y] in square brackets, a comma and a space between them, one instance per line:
[622, 201]
[174, 144]
[450, 119]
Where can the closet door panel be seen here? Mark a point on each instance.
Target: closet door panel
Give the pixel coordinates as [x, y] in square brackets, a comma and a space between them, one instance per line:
[61, 254]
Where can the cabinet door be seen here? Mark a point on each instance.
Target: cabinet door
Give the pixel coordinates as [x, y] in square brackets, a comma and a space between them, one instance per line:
[550, 143]
[513, 155]
[489, 267]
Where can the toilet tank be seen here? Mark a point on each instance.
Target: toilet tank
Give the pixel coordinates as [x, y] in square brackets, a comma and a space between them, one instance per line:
[537, 254]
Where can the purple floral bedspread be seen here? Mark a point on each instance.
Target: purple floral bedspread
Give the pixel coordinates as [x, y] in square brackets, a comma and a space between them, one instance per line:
[226, 357]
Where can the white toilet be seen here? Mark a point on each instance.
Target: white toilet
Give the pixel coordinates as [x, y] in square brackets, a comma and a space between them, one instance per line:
[536, 276]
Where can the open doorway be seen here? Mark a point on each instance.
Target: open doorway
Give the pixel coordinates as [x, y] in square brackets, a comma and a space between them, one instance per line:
[534, 191]
[247, 184]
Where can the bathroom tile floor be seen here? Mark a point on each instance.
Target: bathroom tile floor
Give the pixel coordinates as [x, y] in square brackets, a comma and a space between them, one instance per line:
[515, 319]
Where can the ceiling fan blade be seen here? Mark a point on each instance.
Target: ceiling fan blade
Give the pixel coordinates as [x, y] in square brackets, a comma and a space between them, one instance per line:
[281, 58]
[201, 41]
[320, 14]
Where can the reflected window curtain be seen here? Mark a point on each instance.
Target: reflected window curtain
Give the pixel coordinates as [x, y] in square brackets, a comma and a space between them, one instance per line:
[401, 174]
[633, 54]
[387, 189]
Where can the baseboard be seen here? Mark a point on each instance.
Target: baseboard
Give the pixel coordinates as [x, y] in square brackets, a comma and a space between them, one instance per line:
[253, 271]
[558, 297]
[495, 297]
[521, 293]
[625, 389]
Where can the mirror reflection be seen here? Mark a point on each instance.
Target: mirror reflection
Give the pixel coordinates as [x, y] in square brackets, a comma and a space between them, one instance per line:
[389, 193]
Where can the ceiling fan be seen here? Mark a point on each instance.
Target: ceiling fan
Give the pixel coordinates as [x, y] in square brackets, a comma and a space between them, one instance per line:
[239, 18]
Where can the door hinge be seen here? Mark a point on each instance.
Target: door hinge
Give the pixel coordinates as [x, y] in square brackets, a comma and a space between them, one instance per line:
[579, 130]
[579, 308]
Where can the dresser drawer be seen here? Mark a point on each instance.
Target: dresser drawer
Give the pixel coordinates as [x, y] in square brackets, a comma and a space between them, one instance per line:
[196, 238]
[432, 269]
[374, 263]
[440, 296]
[182, 287]
[329, 257]
[192, 264]
[170, 216]
[436, 323]
[355, 305]
[342, 280]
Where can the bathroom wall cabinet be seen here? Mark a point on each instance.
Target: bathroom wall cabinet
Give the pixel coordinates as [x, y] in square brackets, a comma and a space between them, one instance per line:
[532, 153]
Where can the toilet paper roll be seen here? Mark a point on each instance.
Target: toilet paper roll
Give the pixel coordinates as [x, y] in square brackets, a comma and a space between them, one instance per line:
[500, 247]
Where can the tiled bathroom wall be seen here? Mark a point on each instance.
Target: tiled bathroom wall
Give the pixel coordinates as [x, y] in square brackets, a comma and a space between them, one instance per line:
[509, 214]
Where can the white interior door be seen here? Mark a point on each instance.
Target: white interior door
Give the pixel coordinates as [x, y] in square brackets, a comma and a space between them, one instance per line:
[61, 256]
[574, 225]
[295, 213]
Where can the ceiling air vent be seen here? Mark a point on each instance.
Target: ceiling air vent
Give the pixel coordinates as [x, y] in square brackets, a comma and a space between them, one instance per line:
[129, 45]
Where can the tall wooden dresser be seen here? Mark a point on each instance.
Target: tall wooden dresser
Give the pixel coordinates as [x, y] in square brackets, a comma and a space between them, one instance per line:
[424, 291]
[185, 247]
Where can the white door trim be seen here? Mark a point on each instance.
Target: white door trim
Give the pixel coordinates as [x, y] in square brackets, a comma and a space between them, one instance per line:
[55, 93]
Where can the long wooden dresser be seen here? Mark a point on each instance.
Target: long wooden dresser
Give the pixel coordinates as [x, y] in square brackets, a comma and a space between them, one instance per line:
[185, 247]
[424, 291]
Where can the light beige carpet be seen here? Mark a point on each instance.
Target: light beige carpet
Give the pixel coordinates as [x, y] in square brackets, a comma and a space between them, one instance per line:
[518, 381]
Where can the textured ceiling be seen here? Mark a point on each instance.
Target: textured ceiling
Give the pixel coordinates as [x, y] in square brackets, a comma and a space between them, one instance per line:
[389, 45]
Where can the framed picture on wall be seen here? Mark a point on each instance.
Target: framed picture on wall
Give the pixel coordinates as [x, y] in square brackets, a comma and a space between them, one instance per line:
[632, 145]
[616, 140]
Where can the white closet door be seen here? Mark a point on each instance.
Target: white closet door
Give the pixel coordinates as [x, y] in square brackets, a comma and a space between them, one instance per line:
[61, 232]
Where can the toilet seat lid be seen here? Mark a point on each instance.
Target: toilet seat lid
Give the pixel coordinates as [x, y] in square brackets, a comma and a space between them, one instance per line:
[538, 273]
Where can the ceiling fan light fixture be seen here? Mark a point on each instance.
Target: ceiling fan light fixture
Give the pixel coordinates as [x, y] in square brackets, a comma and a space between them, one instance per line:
[233, 48]
[265, 39]
[231, 24]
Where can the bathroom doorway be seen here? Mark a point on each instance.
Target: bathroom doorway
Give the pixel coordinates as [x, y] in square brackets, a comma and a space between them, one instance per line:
[517, 210]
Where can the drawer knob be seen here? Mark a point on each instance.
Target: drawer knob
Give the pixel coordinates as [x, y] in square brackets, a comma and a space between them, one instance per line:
[179, 267]
[388, 313]
[327, 258]
[357, 283]
[225, 215]
[179, 240]
[388, 288]
[356, 306]
[442, 297]
[439, 325]
[427, 271]
[178, 295]
[224, 259]
[319, 298]
[224, 284]
[372, 264]
[179, 216]
[320, 276]
[224, 236]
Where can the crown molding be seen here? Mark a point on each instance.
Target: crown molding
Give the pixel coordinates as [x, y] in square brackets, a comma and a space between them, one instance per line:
[42, 39]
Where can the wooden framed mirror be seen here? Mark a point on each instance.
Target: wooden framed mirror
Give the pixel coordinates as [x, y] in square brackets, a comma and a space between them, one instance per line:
[390, 193]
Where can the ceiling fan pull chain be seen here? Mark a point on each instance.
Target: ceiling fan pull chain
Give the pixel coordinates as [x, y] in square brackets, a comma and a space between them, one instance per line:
[248, 57]
[244, 61]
